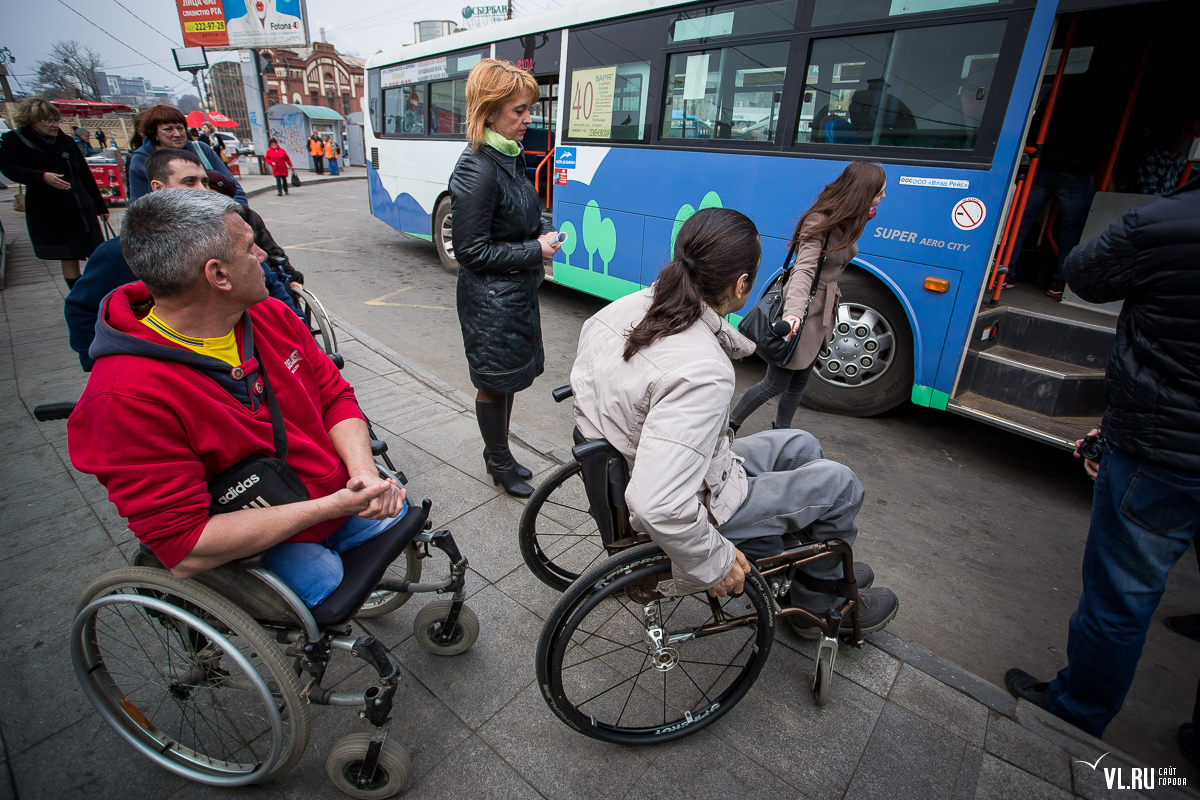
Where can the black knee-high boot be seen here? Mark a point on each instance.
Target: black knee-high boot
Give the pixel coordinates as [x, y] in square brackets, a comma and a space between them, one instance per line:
[493, 425]
[522, 470]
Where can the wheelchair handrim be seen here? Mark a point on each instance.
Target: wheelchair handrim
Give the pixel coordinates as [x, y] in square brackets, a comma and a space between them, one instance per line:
[192, 770]
[550, 670]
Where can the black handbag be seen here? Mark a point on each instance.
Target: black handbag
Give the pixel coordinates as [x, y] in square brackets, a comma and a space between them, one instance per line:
[259, 481]
[764, 324]
[295, 179]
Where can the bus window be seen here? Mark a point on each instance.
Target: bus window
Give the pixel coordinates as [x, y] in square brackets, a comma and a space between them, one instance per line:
[730, 93]
[701, 24]
[613, 74]
[919, 87]
[537, 52]
[411, 108]
[838, 12]
[448, 106]
[376, 106]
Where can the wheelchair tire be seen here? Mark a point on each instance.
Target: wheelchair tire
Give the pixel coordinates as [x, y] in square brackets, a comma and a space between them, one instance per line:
[314, 312]
[382, 602]
[559, 540]
[346, 756]
[823, 676]
[428, 625]
[201, 663]
[608, 606]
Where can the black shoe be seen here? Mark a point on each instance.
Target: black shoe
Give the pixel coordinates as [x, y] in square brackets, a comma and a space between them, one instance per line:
[1023, 685]
[1055, 290]
[877, 608]
[1185, 737]
[279, 194]
[493, 425]
[525, 472]
[1188, 625]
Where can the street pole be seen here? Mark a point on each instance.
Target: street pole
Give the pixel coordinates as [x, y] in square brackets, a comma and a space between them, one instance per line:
[510, 9]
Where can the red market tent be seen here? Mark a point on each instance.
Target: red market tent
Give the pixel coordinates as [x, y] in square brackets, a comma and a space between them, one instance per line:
[198, 118]
[88, 108]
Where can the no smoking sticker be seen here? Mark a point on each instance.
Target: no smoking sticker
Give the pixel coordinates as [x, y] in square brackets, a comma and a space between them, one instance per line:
[968, 213]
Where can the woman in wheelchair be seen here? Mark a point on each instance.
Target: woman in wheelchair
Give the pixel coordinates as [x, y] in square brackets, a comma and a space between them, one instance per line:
[653, 376]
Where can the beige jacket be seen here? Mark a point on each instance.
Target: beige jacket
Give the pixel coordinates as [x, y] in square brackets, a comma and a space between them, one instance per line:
[667, 411]
[823, 312]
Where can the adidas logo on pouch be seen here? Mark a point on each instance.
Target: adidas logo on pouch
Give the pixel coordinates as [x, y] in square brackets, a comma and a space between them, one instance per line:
[236, 490]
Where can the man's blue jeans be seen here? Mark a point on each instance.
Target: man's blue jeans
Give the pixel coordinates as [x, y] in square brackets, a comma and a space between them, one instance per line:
[315, 570]
[1143, 518]
[1074, 194]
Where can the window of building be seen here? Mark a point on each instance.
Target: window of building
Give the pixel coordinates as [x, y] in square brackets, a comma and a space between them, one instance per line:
[727, 93]
[919, 87]
[703, 24]
[345, 104]
[613, 80]
[314, 99]
[448, 106]
[838, 12]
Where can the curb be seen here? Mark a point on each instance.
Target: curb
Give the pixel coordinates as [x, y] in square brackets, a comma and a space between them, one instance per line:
[270, 188]
[542, 447]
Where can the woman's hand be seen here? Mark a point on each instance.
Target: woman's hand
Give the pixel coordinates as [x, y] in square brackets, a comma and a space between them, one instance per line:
[794, 321]
[550, 244]
[55, 181]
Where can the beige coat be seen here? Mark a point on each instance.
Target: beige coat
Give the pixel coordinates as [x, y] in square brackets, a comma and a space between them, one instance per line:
[667, 411]
[823, 312]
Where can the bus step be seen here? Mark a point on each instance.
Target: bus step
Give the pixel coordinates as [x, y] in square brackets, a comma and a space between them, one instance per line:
[1058, 432]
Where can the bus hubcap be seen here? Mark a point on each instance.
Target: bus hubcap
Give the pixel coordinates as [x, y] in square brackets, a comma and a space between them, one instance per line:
[448, 236]
[860, 347]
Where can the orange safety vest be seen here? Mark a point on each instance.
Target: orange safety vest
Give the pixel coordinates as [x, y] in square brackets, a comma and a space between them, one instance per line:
[314, 147]
[329, 149]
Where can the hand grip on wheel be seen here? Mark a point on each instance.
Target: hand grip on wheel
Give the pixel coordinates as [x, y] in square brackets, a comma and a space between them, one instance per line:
[562, 393]
[49, 411]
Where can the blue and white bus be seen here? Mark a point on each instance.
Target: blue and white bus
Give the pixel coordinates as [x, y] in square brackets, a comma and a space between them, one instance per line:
[674, 106]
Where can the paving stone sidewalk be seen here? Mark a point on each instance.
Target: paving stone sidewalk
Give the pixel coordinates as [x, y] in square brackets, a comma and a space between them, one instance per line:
[902, 723]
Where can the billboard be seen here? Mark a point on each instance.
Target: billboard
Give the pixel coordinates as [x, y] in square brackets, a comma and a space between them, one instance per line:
[243, 24]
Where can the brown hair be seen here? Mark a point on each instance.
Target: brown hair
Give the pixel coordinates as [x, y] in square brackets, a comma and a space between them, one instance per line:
[714, 248]
[845, 202]
[491, 84]
[161, 114]
[35, 109]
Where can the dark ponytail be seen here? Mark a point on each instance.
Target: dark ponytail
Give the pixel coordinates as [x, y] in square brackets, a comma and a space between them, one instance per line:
[714, 248]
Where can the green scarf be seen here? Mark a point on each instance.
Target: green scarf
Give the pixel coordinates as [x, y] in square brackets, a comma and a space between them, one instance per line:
[497, 142]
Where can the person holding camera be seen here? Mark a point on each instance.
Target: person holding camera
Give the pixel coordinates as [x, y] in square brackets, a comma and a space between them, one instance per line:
[1146, 509]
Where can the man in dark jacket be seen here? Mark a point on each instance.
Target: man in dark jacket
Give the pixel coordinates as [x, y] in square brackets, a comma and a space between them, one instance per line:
[1146, 509]
[107, 268]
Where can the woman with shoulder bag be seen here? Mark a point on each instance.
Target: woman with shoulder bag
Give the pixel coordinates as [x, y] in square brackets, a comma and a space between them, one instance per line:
[500, 241]
[828, 230]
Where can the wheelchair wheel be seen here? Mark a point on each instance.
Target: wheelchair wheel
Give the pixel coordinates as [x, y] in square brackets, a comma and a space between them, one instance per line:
[346, 756]
[187, 678]
[619, 662]
[318, 321]
[559, 540]
[383, 602]
[428, 626]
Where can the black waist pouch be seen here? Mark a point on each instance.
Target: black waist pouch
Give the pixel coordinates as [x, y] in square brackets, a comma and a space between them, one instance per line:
[259, 481]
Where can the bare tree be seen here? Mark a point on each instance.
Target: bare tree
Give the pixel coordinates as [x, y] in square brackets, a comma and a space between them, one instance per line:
[189, 103]
[70, 73]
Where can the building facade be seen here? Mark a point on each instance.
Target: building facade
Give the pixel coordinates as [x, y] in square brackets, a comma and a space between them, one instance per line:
[132, 91]
[228, 96]
[317, 76]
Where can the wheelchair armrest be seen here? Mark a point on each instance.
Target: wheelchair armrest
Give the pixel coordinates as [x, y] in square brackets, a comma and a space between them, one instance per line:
[378, 448]
[562, 393]
[593, 448]
[256, 561]
[338, 361]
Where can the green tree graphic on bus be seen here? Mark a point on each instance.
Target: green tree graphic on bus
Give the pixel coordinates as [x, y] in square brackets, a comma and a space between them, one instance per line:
[568, 247]
[711, 200]
[599, 235]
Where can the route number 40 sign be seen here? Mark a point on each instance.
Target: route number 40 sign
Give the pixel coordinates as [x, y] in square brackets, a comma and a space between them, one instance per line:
[591, 103]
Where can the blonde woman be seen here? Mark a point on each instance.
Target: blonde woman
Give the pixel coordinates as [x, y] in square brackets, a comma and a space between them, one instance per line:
[63, 202]
[500, 240]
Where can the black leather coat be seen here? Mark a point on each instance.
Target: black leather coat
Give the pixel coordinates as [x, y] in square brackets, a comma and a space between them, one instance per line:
[497, 219]
[1150, 258]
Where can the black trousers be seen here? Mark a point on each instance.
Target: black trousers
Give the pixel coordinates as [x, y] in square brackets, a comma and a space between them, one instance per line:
[281, 184]
[319, 164]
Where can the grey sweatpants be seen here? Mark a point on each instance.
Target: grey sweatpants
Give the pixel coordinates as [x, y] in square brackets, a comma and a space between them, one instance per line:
[794, 489]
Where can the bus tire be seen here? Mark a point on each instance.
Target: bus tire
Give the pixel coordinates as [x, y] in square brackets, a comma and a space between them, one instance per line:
[888, 341]
[442, 238]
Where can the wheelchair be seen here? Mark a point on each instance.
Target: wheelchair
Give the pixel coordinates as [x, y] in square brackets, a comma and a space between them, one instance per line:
[315, 317]
[213, 677]
[620, 661]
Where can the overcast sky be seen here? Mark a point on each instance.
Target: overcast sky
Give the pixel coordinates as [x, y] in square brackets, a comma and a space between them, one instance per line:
[131, 34]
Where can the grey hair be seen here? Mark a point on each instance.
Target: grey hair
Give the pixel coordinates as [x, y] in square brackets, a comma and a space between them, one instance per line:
[169, 235]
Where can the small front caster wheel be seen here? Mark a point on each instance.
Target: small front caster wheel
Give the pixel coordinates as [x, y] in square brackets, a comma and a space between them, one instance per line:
[428, 629]
[391, 773]
[823, 679]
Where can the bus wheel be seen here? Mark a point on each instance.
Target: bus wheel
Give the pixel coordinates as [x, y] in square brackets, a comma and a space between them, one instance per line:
[866, 366]
[442, 236]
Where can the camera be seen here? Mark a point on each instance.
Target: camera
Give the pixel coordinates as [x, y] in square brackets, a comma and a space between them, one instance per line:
[1091, 448]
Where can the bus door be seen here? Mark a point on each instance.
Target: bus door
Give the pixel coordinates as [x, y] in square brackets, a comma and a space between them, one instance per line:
[539, 53]
[1113, 128]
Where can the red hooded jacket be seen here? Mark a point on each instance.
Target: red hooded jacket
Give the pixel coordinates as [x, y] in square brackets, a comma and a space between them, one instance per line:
[158, 421]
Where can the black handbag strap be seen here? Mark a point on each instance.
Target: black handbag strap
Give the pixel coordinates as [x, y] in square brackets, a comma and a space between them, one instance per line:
[278, 430]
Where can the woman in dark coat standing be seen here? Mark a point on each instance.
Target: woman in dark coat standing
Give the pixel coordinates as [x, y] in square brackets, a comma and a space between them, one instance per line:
[62, 201]
[500, 241]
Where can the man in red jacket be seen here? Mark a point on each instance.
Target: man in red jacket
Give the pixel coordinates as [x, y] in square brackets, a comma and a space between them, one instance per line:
[177, 397]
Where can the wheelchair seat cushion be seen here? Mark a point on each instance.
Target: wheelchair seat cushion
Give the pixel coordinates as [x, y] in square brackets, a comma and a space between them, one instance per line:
[364, 566]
